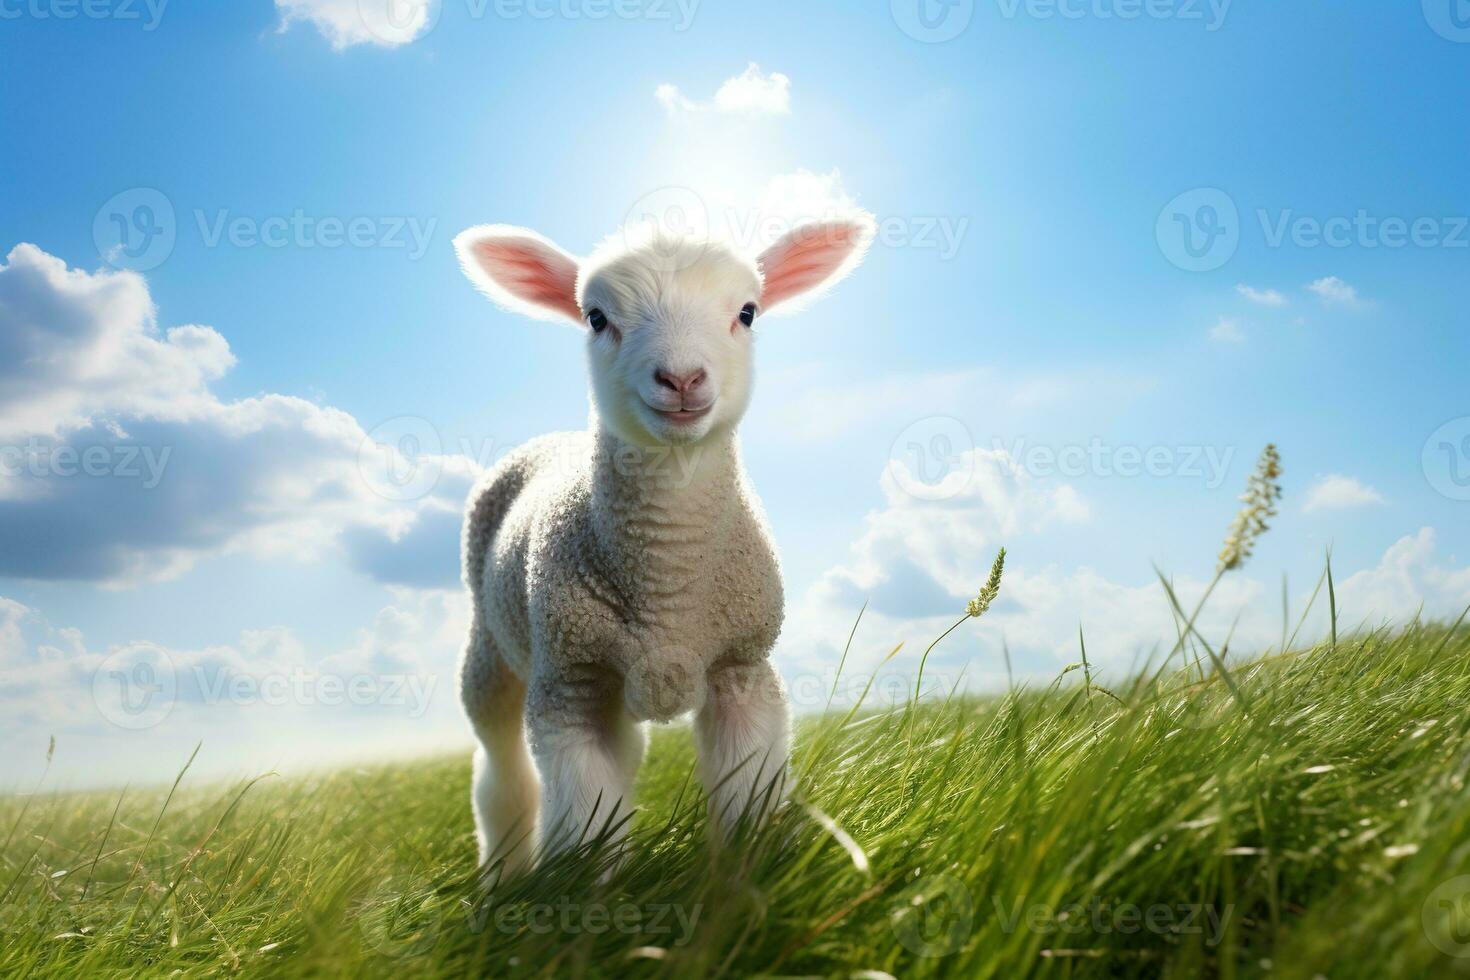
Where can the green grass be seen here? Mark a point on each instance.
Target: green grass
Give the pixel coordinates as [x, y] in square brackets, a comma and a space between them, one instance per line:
[1294, 822]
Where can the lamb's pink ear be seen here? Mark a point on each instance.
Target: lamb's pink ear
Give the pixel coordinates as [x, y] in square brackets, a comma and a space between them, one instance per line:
[521, 271]
[807, 260]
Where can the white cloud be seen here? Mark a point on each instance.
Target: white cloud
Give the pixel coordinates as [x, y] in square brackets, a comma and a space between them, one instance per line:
[672, 99]
[805, 194]
[984, 499]
[1410, 578]
[1337, 492]
[1037, 618]
[754, 92]
[123, 712]
[1334, 292]
[11, 643]
[751, 93]
[75, 344]
[1262, 297]
[118, 463]
[1227, 331]
[917, 562]
[384, 23]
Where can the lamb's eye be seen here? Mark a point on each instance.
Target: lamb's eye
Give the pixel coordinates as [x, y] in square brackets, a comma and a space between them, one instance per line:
[597, 320]
[747, 314]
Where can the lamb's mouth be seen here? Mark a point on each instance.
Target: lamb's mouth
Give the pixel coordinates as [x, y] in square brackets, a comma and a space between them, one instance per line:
[683, 416]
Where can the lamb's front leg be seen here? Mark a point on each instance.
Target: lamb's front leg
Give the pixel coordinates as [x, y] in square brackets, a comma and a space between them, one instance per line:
[743, 735]
[587, 750]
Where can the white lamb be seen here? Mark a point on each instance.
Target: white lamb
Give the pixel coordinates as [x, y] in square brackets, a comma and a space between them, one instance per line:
[626, 574]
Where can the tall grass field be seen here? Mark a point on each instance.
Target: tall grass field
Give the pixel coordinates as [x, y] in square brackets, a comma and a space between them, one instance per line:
[1303, 815]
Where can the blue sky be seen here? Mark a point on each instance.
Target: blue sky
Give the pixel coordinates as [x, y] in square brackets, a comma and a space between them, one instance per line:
[1030, 299]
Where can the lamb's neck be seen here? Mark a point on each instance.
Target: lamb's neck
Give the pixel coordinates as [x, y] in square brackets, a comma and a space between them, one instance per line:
[664, 505]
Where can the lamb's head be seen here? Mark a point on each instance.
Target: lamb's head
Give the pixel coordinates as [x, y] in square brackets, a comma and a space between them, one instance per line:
[670, 321]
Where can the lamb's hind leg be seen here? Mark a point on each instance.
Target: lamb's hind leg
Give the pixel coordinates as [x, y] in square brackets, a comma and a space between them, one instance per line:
[743, 736]
[506, 793]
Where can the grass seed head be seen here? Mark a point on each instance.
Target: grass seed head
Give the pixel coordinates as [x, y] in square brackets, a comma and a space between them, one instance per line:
[981, 602]
[1262, 493]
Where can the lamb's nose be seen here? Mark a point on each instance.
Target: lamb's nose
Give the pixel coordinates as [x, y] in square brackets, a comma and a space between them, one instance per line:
[682, 383]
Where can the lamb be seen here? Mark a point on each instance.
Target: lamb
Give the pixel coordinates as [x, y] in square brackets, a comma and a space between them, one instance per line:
[626, 574]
